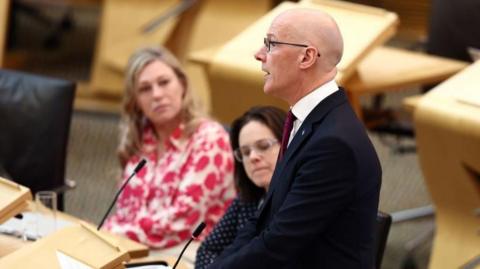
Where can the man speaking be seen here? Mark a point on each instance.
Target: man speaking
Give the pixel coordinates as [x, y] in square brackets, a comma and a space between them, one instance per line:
[321, 207]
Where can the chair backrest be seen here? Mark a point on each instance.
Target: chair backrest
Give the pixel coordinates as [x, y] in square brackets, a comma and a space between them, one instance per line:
[384, 221]
[35, 115]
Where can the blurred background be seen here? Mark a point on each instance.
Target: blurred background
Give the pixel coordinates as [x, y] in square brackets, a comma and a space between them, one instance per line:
[88, 42]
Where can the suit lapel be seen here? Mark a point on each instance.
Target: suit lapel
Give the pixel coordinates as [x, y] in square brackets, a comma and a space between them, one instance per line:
[305, 131]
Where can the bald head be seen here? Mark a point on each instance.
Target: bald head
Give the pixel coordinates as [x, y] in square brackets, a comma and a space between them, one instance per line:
[301, 53]
[316, 27]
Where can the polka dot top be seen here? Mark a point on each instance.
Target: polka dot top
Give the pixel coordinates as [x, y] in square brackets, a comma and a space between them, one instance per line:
[224, 232]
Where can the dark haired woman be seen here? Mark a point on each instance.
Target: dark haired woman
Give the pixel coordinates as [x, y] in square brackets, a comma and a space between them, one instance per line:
[256, 137]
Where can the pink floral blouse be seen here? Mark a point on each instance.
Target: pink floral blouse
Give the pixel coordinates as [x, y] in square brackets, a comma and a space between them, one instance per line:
[192, 181]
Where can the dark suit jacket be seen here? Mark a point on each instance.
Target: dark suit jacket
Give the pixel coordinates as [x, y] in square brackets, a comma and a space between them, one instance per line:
[322, 203]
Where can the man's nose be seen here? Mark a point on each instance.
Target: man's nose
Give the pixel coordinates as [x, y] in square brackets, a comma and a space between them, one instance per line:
[260, 54]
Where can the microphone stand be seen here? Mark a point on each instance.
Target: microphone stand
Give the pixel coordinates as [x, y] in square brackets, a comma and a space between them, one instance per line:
[195, 234]
[135, 171]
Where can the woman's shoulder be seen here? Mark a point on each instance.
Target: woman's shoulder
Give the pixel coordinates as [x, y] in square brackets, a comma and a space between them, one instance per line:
[241, 210]
[211, 130]
[211, 125]
[240, 204]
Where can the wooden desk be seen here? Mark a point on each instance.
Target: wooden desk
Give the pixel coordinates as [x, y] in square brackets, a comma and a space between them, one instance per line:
[79, 241]
[135, 250]
[9, 244]
[447, 127]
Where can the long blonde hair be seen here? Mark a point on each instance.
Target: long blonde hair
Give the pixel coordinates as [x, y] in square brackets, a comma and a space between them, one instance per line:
[133, 121]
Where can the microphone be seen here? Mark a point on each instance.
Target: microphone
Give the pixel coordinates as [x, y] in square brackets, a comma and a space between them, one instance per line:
[135, 171]
[195, 234]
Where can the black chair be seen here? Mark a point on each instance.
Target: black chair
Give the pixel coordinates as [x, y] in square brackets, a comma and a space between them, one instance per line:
[384, 221]
[35, 115]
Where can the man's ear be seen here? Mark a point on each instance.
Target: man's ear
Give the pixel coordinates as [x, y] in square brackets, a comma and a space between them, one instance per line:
[308, 58]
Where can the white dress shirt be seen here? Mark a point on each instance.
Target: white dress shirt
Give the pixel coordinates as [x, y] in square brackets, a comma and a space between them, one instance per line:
[304, 106]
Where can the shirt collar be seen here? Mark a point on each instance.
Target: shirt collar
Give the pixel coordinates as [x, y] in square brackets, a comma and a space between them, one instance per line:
[305, 105]
[175, 140]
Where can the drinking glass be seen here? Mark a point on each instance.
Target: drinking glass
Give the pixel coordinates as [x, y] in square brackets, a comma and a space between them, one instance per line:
[46, 203]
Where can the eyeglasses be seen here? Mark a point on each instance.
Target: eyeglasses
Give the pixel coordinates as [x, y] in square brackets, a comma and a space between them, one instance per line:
[259, 146]
[269, 43]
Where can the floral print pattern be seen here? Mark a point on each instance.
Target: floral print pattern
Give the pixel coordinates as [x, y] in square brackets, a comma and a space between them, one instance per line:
[191, 181]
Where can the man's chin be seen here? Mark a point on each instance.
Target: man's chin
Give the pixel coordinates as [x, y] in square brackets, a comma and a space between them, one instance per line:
[267, 89]
[273, 92]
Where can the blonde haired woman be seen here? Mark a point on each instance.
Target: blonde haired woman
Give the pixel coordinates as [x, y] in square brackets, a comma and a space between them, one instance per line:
[188, 177]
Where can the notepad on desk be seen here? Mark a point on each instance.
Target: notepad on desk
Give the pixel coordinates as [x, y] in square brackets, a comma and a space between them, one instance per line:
[68, 262]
